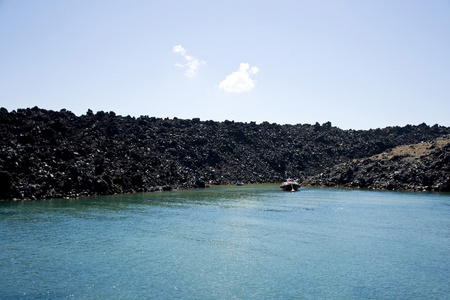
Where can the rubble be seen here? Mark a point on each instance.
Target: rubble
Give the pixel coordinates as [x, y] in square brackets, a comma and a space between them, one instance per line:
[420, 167]
[52, 154]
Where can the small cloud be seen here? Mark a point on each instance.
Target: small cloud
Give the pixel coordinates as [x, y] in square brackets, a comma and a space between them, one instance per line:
[192, 64]
[179, 49]
[240, 81]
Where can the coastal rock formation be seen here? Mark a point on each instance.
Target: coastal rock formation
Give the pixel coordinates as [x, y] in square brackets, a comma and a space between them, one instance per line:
[419, 167]
[50, 154]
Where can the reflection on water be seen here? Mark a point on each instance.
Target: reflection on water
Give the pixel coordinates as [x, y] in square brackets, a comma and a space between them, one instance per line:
[246, 242]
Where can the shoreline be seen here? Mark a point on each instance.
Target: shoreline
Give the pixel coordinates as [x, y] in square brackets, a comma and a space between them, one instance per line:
[160, 190]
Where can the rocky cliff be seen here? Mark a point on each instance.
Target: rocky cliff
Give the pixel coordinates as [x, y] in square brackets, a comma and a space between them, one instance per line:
[420, 167]
[47, 154]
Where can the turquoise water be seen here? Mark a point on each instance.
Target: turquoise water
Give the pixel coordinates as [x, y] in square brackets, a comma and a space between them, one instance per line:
[228, 242]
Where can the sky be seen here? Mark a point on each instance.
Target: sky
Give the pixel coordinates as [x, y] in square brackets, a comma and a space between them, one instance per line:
[357, 64]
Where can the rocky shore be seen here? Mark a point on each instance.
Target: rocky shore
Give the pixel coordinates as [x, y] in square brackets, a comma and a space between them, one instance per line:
[51, 154]
[419, 167]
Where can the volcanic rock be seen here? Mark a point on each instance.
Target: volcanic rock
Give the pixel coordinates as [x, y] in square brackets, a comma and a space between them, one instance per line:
[420, 167]
[47, 154]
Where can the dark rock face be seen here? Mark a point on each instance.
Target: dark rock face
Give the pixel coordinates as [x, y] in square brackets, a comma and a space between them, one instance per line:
[48, 154]
[419, 167]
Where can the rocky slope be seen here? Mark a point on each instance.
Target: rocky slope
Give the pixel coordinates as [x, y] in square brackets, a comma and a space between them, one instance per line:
[47, 154]
[419, 167]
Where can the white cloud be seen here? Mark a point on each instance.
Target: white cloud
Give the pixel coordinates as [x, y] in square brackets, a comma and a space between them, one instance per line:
[240, 81]
[192, 64]
[179, 49]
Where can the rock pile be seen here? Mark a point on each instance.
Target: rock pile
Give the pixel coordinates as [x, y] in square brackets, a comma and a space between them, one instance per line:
[49, 154]
[419, 167]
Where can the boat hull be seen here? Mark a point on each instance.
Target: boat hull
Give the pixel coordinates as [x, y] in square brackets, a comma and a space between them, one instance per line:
[290, 186]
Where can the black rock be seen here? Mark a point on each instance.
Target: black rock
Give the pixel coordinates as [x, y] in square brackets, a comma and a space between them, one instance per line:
[46, 153]
[418, 167]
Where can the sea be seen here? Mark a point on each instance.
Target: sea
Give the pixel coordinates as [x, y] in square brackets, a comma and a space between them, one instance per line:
[228, 242]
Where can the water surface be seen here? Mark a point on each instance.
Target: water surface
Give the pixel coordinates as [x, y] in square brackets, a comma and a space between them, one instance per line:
[228, 242]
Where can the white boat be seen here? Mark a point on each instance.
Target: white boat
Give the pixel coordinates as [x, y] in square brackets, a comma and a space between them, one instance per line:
[290, 185]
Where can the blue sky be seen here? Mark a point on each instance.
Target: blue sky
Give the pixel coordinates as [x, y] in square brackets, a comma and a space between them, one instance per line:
[357, 64]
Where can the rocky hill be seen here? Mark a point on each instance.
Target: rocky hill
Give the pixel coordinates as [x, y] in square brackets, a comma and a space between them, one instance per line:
[47, 154]
[419, 167]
